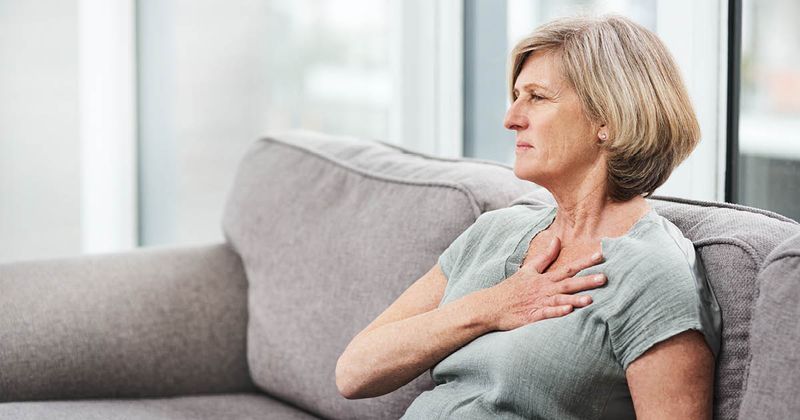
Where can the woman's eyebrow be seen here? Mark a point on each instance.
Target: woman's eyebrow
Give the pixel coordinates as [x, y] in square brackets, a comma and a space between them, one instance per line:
[533, 85]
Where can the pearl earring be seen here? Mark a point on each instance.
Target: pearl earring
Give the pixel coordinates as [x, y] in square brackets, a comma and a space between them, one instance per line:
[603, 136]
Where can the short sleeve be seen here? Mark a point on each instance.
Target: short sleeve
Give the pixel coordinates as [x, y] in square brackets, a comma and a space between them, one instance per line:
[667, 298]
[455, 261]
[450, 257]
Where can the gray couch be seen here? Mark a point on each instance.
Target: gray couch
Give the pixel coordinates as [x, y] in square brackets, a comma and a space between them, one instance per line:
[321, 234]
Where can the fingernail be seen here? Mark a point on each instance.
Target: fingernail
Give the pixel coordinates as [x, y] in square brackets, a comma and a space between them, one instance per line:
[585, 299]
[597, 256]
[599, 278]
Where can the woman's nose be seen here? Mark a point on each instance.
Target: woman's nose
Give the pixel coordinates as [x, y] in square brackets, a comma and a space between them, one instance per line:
[514, 119]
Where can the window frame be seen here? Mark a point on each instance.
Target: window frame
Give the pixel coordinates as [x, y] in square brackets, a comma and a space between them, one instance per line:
[733, 85]
[108, 125]
[429, 70]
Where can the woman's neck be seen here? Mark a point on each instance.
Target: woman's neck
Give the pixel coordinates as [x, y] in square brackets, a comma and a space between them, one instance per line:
[586, 214]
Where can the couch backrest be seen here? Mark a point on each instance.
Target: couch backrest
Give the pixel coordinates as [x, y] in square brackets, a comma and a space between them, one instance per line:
[773, 384]
[331, 230]
[733, 242]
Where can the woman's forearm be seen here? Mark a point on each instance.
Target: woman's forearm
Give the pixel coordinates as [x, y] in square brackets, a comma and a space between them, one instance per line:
[390, 356]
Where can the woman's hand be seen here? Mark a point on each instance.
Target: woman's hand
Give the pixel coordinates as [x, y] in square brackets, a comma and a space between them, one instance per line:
[529, 296]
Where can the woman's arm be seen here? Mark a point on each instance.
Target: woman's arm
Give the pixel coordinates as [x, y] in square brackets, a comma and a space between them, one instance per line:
[414, 333]
[408, 338]
[674, 379]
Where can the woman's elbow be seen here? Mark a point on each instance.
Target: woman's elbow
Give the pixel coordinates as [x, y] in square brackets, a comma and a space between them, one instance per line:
[344, 380]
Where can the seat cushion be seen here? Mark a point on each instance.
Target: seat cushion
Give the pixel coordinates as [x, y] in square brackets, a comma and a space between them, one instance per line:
[331, 230]
[211, 407]
[774, 380]
[733, 241]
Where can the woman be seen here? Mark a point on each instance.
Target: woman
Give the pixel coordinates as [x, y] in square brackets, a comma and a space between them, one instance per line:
[602, 118]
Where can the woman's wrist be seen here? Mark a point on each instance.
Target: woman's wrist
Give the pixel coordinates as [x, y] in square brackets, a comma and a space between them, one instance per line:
[481, 310]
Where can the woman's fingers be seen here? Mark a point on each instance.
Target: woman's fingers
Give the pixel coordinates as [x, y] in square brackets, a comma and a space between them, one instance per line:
[574, 268]
[578, 284]
[561, 305]
[543, 260]
[555, 311]
[574, 300]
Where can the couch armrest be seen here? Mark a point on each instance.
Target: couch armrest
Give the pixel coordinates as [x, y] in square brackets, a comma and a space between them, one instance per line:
[157, 321]
[773, 381]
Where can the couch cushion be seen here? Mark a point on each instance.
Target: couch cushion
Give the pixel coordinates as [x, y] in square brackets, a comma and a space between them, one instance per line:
[733, 242]
[331, 230]
[774, 381]
[211, 407]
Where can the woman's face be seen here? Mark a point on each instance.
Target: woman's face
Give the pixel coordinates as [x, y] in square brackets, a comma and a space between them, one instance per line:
[547, 115]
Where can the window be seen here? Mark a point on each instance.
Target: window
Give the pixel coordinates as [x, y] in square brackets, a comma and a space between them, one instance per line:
[769, 119]
[150, 105]
[215, 76]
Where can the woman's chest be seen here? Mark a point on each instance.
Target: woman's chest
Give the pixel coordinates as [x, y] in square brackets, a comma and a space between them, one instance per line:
[568, 254]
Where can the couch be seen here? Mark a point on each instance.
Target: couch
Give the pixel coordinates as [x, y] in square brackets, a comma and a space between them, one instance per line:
[321, 233]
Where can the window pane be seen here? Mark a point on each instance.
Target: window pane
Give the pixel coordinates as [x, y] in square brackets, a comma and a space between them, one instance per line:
[769, 122]
[215, 76]
[40, 184]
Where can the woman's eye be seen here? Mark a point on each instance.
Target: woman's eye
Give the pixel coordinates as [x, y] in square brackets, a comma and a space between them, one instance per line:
[535, 98]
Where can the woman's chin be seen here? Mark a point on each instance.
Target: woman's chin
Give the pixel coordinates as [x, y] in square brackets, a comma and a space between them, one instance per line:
[526, 173]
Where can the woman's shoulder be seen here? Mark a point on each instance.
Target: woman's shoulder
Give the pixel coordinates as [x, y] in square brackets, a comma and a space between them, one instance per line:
[661, 234]
[505, 221]
[656, 248]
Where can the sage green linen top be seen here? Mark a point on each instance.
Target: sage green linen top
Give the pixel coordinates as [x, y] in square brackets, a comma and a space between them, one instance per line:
[569, 367]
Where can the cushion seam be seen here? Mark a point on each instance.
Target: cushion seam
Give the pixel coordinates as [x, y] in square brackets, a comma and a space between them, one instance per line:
[747, 248]
[444, 159]
[731, 206]
[782, 256]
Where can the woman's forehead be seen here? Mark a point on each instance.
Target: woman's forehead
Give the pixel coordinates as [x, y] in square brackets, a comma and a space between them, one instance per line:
[539, 70]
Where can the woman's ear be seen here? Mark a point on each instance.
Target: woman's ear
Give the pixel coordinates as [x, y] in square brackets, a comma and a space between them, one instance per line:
[602, 134]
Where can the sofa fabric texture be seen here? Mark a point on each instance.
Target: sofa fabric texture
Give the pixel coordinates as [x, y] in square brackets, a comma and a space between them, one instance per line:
[210, 407]
[331, 231]
[774, 379]
[158, 321]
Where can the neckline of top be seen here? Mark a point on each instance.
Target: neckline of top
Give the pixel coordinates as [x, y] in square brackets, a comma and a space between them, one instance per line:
[649, 216]
[606, 242]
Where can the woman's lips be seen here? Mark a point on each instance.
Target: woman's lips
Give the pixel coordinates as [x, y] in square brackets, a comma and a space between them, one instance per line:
[523, 146]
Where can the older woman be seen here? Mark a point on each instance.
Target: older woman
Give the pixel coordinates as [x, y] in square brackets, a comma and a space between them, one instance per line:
[602, 118]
